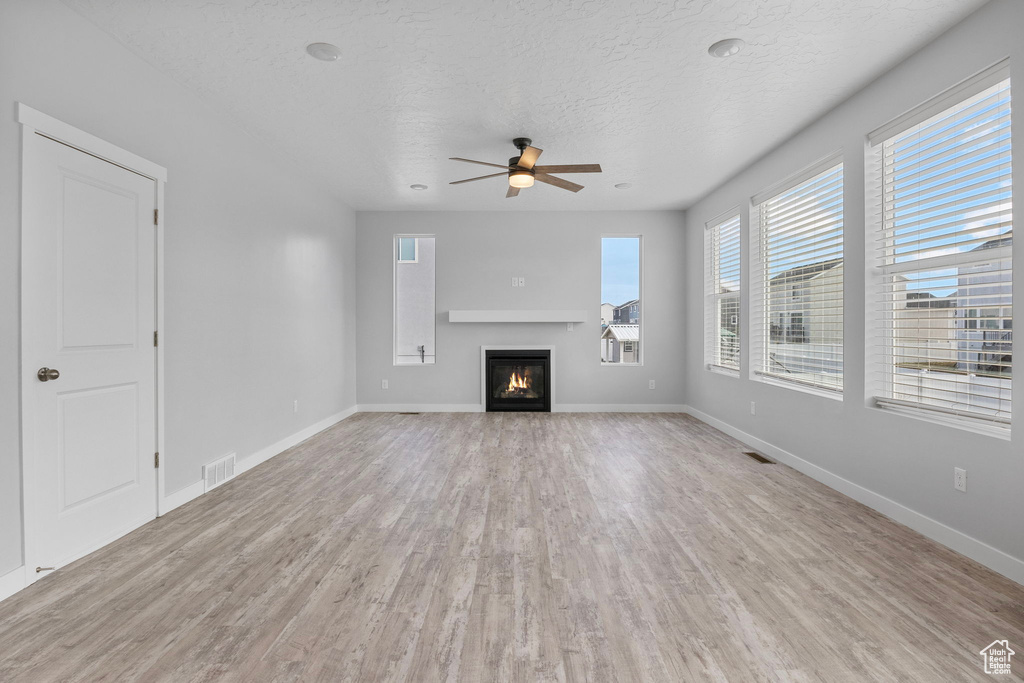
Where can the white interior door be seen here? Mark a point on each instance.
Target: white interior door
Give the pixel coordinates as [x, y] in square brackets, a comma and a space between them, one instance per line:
[88, 315]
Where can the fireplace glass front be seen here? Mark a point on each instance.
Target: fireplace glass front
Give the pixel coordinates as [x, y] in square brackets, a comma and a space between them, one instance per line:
[518, 380]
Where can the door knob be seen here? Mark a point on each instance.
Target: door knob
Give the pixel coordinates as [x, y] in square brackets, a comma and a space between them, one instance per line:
[46, 374]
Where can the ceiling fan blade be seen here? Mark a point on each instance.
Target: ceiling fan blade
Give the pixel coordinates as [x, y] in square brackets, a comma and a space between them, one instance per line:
[558, 182]
[529, 157]
[569, 168]
[482, 163]
[512, 192]
[469, 180]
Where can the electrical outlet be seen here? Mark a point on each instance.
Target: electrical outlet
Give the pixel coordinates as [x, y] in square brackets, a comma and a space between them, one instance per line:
[960, 479]
[515, 281]
[522, 282]
[568, 326]
[753, 408]
[295, 406]
[650, 384]
[383, 384]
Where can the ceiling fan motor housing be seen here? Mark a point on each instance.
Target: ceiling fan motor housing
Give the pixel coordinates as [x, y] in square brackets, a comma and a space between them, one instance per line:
[513, 162]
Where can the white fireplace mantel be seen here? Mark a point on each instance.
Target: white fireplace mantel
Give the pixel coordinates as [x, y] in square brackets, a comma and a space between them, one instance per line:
[520, 316]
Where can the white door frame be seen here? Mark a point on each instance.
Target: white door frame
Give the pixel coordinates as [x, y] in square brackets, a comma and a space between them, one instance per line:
[35, 122]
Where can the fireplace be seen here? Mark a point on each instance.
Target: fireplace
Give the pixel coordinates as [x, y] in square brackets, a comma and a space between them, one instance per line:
[518, 380]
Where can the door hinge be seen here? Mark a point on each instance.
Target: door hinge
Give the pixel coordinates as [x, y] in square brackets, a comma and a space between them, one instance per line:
[156, 459]
[156, 338]
[156, 216]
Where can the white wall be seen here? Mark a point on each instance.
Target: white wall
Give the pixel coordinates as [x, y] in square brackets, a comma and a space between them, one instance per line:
[259, 260]
[903, 459]
[559, 254]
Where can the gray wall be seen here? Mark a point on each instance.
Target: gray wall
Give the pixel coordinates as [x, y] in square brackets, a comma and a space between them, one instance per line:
[907, 460]
[559, 254]
[259, 260]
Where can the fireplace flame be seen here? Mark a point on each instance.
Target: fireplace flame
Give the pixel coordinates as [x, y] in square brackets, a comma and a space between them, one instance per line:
[517, 381]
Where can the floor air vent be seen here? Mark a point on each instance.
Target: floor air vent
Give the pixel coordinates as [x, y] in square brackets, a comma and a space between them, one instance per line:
[219, 471]
[758, 457]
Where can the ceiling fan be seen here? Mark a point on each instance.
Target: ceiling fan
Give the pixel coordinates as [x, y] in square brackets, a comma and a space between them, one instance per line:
[522, 170]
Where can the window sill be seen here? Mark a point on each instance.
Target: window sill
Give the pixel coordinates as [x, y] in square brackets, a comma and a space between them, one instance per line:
[720, 370]
[975, 425]
[798, 386]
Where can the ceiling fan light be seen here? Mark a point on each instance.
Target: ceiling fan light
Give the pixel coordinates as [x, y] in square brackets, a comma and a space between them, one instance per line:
[520, 178]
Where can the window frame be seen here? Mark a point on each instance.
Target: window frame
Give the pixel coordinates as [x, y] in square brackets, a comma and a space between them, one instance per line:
[395, 263]
[641, 354]
[760, 312]
[713, 300]
[882, 312]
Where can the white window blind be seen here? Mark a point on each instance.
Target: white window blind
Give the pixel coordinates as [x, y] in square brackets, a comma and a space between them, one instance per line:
[797, 274]
[943, 189]
[722, 293]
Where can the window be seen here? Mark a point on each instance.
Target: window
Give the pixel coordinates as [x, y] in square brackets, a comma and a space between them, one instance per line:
[620, 290]
[414, 300]
[408, 249]
[943, 188]
[797, 270]
[722, 293]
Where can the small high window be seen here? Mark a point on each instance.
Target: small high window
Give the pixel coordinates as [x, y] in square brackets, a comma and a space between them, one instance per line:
[408, 249]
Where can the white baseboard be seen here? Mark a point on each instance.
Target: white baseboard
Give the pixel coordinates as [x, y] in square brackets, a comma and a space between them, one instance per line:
[619, 408]
[419, 408]
[22, 577]
[196, 489]
[181, 496]
[557, 408]
[979, 551]
[265, 454]
[12, 582]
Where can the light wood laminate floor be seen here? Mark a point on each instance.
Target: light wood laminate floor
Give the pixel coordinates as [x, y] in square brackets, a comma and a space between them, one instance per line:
[490, 547]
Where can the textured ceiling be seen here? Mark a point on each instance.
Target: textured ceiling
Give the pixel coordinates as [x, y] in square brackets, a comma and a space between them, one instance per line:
[624, 83]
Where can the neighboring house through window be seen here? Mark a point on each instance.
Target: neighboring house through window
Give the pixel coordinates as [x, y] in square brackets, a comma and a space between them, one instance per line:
[797, 270]
[620, 285]
[942, 180]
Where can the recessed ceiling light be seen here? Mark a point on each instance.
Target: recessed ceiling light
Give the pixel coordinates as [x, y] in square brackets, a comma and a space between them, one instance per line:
[726, 48]
[325, 52]
[417, 186]
[623, 186]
